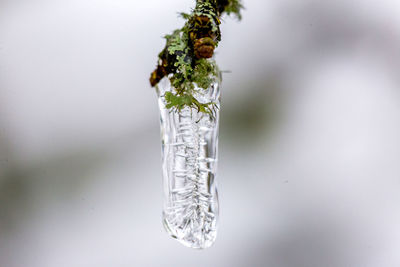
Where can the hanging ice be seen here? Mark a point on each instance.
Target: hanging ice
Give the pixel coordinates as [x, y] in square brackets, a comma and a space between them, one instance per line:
[189, 164]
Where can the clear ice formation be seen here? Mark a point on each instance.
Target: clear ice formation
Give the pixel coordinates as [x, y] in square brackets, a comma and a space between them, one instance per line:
[189, 164]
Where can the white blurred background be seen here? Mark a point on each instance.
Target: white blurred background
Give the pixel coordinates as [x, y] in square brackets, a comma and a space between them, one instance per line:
[309, 172]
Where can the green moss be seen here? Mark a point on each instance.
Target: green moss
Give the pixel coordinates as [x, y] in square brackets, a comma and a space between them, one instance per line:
[233, 8]
[205, 73]
[178, 57]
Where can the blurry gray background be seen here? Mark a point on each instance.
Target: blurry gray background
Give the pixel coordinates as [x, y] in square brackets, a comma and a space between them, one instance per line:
[309, 172]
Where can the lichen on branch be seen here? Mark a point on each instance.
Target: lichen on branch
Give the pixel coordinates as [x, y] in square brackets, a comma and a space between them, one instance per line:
[185, 58]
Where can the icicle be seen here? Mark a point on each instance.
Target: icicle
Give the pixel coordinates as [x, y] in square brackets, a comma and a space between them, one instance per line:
[189, 163]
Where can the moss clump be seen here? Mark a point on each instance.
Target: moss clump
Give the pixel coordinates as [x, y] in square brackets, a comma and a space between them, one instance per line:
[187, 52]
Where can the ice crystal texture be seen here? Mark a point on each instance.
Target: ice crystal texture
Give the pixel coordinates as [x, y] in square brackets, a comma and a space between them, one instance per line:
[189, 163]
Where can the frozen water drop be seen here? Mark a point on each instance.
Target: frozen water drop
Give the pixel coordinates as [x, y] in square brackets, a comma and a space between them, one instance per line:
[189, 164]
